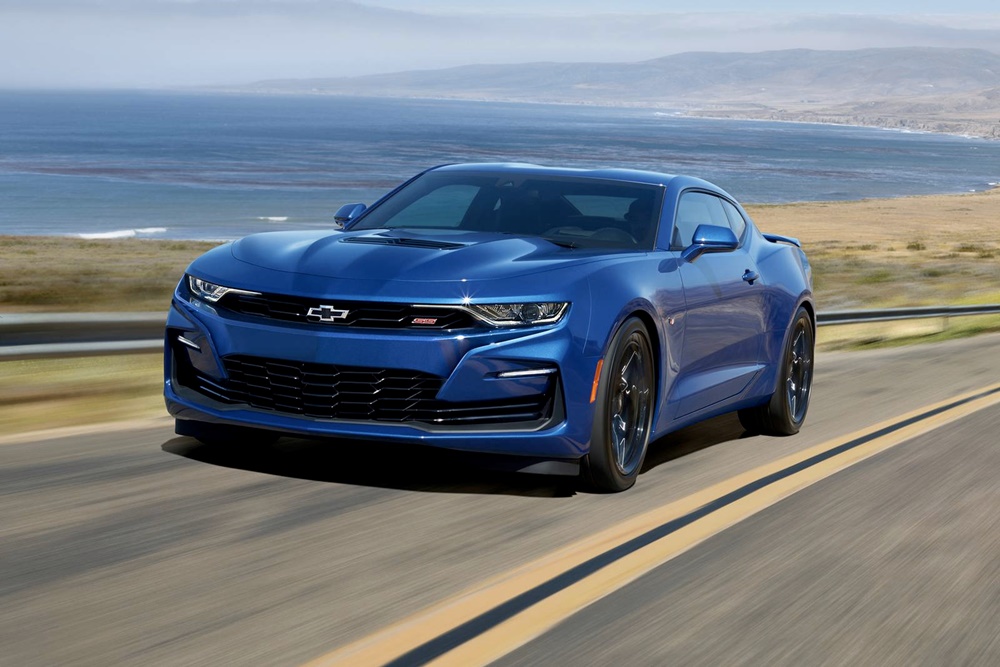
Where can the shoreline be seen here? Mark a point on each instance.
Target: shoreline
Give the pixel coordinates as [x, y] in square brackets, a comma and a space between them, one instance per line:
[989, 130]
[831, 123]
[690, 110]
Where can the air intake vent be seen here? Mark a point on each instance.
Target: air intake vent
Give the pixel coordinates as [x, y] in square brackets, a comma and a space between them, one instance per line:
[325, 391]
[409, 243]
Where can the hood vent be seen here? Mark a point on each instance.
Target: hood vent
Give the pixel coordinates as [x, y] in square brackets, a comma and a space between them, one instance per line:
[409, 243]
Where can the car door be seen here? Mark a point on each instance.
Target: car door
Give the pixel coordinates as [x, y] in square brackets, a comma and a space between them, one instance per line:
[724, 321]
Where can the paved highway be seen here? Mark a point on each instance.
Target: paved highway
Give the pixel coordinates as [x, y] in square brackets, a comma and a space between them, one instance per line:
[134, 546]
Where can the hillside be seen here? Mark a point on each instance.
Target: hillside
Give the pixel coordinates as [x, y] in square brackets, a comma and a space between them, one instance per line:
[951, 90]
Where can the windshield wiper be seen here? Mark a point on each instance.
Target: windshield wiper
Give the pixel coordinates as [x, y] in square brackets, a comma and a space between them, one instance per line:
[561, 243]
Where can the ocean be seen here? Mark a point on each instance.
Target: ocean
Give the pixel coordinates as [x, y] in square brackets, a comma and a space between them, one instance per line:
[201, 166]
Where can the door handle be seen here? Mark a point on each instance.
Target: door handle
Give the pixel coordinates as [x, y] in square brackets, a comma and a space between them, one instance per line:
[750, 276]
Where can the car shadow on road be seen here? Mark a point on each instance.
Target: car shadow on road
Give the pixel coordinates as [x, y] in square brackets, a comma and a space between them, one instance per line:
[428, 469]
[376, 464]
[702, 435]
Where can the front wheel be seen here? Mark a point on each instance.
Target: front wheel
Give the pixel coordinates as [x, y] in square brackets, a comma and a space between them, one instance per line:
[623, 413]
[785, 412]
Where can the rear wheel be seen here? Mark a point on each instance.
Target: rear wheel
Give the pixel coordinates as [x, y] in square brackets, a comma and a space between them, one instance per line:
[785, 412]
[623, 412]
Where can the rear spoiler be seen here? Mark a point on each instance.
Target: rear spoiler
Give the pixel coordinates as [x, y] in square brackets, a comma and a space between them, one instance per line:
[777, 238]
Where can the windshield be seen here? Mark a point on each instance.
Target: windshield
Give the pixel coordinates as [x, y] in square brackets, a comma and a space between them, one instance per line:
[574, 212]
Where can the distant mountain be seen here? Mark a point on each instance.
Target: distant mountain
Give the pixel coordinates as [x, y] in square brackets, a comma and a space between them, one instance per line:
[910, 87]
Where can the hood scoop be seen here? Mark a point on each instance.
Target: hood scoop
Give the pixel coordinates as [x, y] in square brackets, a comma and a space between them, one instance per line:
[409, 243]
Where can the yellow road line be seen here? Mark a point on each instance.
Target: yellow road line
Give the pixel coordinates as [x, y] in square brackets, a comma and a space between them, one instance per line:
[488, 621]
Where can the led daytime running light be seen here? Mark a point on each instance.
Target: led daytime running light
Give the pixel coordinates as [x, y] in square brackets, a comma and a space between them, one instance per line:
[211, 292]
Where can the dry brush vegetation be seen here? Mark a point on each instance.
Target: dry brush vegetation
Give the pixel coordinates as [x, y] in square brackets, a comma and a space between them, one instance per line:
[910, 251]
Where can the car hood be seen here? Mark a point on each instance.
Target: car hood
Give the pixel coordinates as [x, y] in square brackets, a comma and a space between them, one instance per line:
[406, 255]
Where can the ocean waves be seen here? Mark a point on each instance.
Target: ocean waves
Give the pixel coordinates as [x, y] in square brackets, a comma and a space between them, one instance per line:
[182, 166]
[121, 233]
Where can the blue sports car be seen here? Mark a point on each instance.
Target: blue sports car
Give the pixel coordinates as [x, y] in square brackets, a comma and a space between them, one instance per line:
[564, 318]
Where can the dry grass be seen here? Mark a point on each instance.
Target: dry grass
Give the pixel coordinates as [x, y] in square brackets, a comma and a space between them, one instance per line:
[47, 273]
[60, 275]
[910, 251]
[51, 393]
[904, 332]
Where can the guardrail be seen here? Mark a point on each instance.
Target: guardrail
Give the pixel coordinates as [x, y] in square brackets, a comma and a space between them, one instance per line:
[894, 314]
[46, 335]
[57, 335]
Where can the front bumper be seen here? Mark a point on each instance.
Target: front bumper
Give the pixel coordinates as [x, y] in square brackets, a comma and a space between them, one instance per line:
[439, 388]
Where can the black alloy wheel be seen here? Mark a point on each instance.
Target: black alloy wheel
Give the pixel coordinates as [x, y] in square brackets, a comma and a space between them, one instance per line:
[786, 411]
[623, 412]
[798, 373]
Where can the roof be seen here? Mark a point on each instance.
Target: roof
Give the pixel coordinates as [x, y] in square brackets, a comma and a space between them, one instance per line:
[631, 175]
[625, 175]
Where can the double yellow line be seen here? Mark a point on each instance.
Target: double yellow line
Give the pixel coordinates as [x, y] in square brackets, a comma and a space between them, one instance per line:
[486, 622]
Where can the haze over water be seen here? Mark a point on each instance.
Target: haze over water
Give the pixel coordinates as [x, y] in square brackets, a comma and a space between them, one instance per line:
[166, 165]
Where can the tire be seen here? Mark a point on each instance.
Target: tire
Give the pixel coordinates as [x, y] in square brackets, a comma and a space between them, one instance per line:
[623, 413]
[221, 435]
[784, 413]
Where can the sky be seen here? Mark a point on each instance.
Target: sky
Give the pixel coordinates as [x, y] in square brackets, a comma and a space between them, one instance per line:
[747, 6]
[170, 43]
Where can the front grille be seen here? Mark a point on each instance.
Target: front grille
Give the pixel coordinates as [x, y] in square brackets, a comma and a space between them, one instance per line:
[325, 391]
[365, 314]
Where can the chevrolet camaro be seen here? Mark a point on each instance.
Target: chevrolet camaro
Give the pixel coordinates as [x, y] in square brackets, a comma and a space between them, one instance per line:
[560, 318]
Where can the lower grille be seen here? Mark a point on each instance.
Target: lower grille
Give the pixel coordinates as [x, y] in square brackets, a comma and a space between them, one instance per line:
[325, 391]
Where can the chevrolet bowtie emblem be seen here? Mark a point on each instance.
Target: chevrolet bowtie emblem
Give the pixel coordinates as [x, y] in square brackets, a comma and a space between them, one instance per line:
[326, 314]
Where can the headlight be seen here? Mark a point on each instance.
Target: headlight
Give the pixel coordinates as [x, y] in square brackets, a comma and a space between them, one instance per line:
[515, 314]
[211, 292]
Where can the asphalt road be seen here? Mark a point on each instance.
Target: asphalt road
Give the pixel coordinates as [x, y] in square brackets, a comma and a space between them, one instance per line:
[895, 561]
[140, 547]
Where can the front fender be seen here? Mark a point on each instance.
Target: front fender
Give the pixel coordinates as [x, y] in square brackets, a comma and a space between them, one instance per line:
[652, 291]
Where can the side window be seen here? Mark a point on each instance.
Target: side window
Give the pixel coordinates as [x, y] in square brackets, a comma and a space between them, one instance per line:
[736, 220]
[693, 209]
[443, 207]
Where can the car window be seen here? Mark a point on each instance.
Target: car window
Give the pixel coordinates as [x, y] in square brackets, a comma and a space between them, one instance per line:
[443, 207]
[569, 211]
[694, 209]
[736, 220]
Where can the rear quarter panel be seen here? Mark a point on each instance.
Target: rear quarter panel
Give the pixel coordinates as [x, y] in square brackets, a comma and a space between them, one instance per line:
[787, 278]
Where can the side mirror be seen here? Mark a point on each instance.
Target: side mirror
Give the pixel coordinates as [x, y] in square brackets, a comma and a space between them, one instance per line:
[710, 238]
[348, 212]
